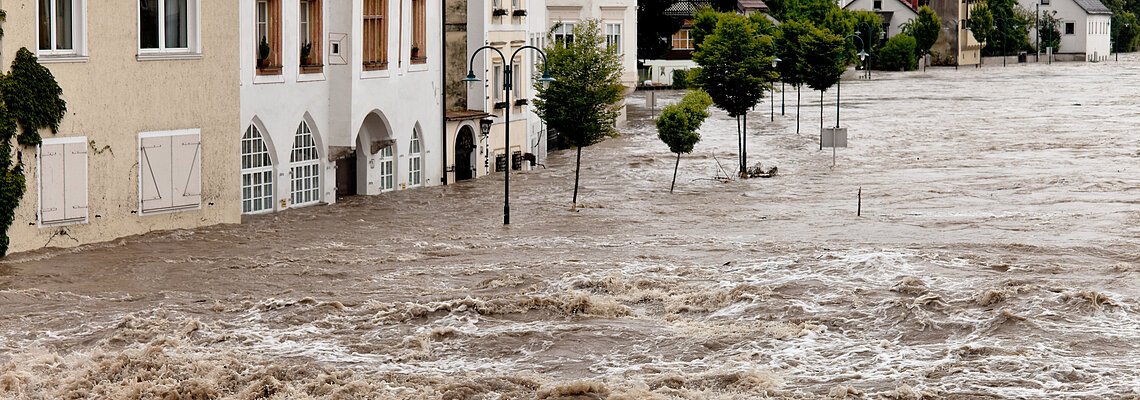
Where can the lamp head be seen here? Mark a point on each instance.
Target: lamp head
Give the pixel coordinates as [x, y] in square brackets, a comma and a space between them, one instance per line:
[546, 78]
[775, 60]
[470, 77]
[485, 126]
[862, 55]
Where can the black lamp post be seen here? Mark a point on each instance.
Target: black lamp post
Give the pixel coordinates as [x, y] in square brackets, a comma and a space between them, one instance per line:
[839, 85]
[507, 113]
[771, 95]
[485, 127]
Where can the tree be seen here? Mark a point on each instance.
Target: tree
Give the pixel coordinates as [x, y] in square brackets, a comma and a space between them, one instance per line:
[1049, 31]
[580, 105]
[826, 58]
[924, 29]
[678, 124]
[792, 53]
[898, 54]
[1125, 31]
[704, 23]
[654, 28]
[736, 70]
[1003, 25]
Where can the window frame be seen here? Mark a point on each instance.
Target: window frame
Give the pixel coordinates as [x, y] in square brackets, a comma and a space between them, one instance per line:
[419, 32]
[1070, 28]
[315, 36]
[687, 39]
[380, 61]
[387, 158]
[274, 35]
[141, 153]
[296, 179]
[497, 81]
[415, 159]
[564, 32]
[193, 34]
[270, 167]
[610, 35]
[78, 31]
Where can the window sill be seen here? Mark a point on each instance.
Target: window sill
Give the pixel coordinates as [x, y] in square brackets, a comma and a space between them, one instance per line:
[373, 74]
[62, 222]
[417, 67]
[271, 70]
[267, 79]
[312, 69]
[168, 56]
[61, 59]
[306, 77]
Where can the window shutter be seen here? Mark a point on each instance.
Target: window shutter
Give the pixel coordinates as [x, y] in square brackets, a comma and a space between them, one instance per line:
[52, 203]
[154, 172]
[186, 170]
[75, 188]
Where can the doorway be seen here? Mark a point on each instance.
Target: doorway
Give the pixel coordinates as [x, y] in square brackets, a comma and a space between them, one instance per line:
[346, 175]
[464, 154]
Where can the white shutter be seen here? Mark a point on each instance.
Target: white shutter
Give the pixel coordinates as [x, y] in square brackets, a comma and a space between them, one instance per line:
[154, 173]
[52, 185]
[75, 169]
[186, 170]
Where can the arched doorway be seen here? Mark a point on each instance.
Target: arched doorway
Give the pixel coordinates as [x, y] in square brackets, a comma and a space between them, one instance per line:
[464, 154]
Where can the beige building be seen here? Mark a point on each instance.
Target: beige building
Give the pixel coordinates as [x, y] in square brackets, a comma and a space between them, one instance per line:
[956, 45]
[148, 142]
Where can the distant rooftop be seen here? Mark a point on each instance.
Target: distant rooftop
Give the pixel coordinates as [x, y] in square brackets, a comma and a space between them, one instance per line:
[1093, 7]
[686, 8]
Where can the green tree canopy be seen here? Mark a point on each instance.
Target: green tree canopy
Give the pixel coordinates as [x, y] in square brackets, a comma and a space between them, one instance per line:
[704, 23]
[898, 54]
[581, 104]
[736, 64]
[924, 29]
[678, 124]
[1049, 31]
[826, 55]
[1003, 25]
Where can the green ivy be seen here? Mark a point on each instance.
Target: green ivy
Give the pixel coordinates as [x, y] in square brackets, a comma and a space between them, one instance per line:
[29, 101]
[33, 97]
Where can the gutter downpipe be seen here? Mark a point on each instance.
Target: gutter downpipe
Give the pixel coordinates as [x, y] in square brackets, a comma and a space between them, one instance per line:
[443, 85]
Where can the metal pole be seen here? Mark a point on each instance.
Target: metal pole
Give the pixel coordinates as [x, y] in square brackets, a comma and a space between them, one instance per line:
[507, 145]
[1037, 27]
[781, 97]
[838, 88]
[772, 101]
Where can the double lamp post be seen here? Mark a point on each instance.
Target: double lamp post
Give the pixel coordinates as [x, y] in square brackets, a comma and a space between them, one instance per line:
[507, 75]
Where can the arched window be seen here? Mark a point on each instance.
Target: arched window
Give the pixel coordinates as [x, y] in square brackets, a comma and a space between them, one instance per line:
[387, 169]
[305, 187]
[256, 173]
[415, 177]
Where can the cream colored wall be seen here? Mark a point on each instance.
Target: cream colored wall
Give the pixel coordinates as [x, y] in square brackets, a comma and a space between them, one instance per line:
[113, 97]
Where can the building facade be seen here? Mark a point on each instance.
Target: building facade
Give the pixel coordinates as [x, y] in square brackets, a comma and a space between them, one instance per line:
[894, 13]
[152, 107]
[1085, 25]
[338, 98]
[956, 44]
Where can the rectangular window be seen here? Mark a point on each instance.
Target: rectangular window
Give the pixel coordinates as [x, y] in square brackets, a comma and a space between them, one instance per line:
[497, 82]
[63, 181]
[563, 32]
[419, 31]
[613, 37]
[1070, 28]
[168, 25]
[878, 4]
[60, 27]
[312, 36]
[1044, 2]
[375, 35]
[516, 81]
[682, 40]
[268, 37]
[170, 171]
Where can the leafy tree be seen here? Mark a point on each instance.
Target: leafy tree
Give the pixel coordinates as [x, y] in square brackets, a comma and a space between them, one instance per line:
[1003, 25]
[736, 69]
[826, 56]
[898, 54]
[793, 52]
[704, 23]
[580, 105]
[1049, 31]
[678, 124]
[1125, 30]
[870, 28]
[814, 11]
[654, 28]
[924, 29]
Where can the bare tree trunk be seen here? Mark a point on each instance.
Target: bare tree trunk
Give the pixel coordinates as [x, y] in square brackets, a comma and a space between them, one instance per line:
[744, 141]
[577, 171]
[675, 166]
[739, 147]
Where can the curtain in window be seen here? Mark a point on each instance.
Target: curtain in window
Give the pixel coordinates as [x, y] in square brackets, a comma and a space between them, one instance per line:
[148, 24]
[177, 16]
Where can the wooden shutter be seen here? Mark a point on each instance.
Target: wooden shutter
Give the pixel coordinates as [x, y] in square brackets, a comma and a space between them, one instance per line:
[75, 188]
[186, 171]
[52, 185]
[154, 173]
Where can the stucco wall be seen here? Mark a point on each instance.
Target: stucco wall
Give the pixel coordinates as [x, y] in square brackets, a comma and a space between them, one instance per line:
[1091, 33]
[112, 97]
[902, 12]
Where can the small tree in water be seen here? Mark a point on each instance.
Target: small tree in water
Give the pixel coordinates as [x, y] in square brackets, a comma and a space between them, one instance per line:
[581, 104]
[677, 126]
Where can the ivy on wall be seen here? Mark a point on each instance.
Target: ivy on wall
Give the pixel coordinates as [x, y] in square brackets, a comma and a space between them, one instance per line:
[29, 101]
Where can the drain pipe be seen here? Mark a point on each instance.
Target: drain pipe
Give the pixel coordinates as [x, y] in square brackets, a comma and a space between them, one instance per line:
[443, 86]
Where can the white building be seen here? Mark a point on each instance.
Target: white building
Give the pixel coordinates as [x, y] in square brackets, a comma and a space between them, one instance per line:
[894, 13]
[1086, 26]
[338, 98]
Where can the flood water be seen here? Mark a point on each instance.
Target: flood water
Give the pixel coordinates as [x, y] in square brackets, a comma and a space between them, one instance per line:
[997, 255]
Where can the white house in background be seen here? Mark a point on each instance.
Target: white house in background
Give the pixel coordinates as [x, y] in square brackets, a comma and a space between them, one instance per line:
[618, 23]
[1086, 26]
[894, 13]
[338, 98]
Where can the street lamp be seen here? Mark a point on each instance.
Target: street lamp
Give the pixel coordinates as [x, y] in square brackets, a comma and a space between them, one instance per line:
[485, 128]
[867, 44]
[507, 62]
[839, 85]
[771, 95]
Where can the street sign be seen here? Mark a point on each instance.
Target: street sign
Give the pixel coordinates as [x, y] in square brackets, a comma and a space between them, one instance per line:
[834, 137]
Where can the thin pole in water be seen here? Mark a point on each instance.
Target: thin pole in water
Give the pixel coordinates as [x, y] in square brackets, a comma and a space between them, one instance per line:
[859, 208]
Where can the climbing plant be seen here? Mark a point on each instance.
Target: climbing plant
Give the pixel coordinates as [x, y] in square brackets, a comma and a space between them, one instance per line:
[29, 101]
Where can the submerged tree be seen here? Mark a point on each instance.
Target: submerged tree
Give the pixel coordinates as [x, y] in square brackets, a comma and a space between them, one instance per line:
[924, 29]
[736, 70]
[581, 104]
[678, 124]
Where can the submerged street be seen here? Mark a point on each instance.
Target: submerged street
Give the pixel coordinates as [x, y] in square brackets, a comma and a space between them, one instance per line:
[997, 255]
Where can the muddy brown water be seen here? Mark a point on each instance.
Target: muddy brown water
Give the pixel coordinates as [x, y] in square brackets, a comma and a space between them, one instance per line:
[997, 256]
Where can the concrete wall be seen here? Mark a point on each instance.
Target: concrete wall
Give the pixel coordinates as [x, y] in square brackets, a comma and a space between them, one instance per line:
[112, 96]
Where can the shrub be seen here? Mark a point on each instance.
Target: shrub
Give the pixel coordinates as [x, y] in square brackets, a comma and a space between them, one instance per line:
[680, 79]
[898, 54]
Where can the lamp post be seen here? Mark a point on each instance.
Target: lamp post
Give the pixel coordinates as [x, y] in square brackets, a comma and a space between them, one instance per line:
[839, 85]
[867, 45]
[771, 95]
[485, 128]
[507, 62]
